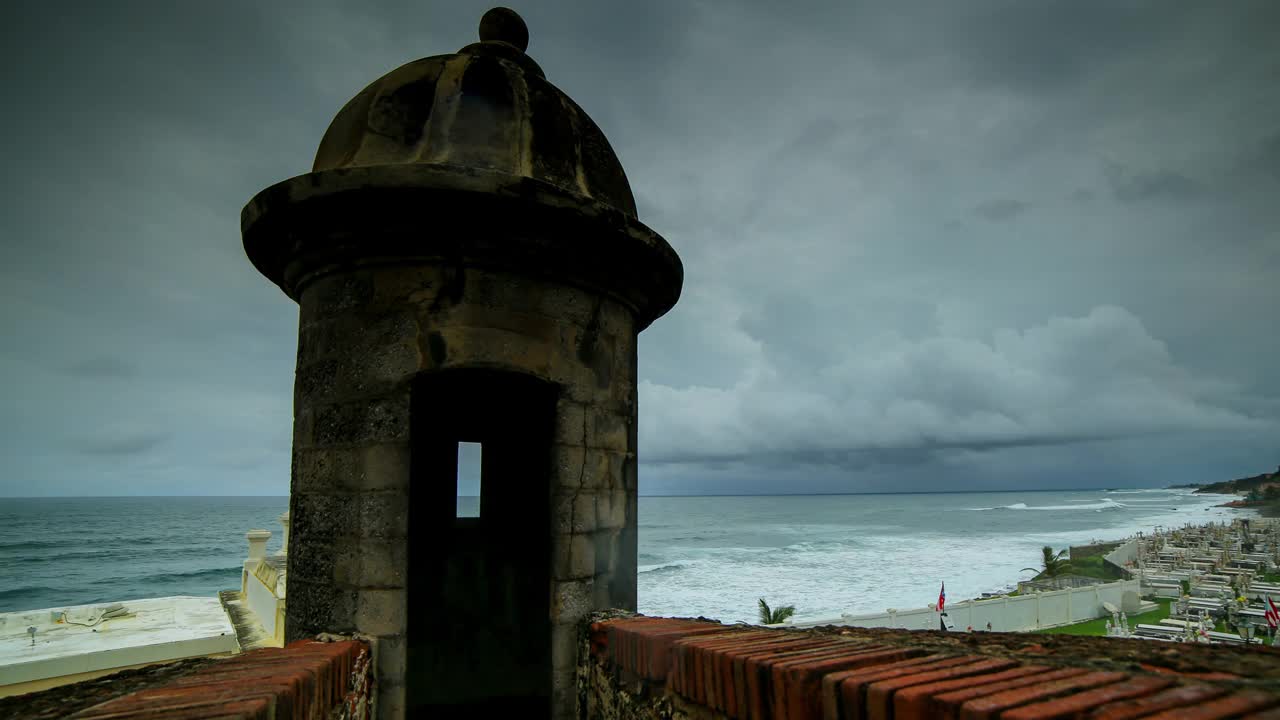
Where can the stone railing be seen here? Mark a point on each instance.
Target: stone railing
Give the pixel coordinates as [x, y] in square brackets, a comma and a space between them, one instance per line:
[262, 589]
[638, 668]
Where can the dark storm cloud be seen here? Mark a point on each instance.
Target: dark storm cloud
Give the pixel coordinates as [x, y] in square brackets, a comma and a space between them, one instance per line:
[102, 367]
[1000, 209]
[126, 444]
[1131, 187]
[1266, 158]
[870, 301]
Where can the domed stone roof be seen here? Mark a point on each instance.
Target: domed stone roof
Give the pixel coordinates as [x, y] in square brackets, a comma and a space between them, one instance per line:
[489, 106]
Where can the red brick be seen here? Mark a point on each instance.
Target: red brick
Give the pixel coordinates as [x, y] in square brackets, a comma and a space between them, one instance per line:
[990, 707]
[735, 675]
[305, 679]
[917, 702]
[729, 667]
[206, 707]
[623, 634]
[798, 691]
[757, 674]
[723, 686]
[292, 684]
[1176, 697]
[702, 659]
[655, 644]
[830, 692]
[842, 657]
[637, 637]
[1075, 705]
[686, 653]
[879, 695]
[1224, 707]
[948, 704]
[719, 678]
[853, 686]
[683, 653]
[733, 669]
[621, 640]
[285, 704]
[250, 709]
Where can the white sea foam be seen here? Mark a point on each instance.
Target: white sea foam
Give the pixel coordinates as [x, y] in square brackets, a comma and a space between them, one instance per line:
[1077, 505]
[856, 554]
[665, 567]
[1104, 505]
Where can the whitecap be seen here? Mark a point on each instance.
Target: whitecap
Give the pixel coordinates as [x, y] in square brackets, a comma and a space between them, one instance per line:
[1104, 505]
[667, 567]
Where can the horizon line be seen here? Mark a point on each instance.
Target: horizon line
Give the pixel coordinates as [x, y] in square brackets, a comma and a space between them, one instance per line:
[660, 495]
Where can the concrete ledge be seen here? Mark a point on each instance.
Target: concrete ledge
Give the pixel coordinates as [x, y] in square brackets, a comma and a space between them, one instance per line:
[640, 667]
[74, 641]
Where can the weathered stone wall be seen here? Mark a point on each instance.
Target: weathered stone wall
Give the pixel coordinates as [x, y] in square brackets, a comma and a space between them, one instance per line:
[365, 334]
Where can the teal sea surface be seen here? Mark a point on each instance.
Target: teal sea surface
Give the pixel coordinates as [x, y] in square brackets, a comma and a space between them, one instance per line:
[709, 556]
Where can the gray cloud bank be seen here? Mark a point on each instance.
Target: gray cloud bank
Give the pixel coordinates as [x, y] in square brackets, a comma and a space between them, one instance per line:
[928, 245]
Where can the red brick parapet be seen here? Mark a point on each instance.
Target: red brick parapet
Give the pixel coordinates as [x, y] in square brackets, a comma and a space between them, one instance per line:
[307, 680]
[710, 670]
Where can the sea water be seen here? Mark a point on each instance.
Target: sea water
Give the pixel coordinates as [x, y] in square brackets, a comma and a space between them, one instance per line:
[828, 555]
[699, 556]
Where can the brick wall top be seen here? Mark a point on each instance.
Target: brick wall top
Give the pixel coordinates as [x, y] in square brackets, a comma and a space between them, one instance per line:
[305, 680]
[833, 673]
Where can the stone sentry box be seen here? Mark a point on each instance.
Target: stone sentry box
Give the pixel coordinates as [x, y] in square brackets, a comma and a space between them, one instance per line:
[469, 268]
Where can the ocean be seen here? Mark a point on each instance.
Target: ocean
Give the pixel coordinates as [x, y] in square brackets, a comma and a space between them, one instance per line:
[699, 556]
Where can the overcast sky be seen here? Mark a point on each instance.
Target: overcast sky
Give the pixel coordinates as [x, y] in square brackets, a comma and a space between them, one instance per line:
[938, 245]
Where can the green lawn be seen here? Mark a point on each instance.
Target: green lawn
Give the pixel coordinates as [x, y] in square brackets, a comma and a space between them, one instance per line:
[1099, 626]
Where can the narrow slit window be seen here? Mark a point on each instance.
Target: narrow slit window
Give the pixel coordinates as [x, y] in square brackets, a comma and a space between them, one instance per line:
[468, 480]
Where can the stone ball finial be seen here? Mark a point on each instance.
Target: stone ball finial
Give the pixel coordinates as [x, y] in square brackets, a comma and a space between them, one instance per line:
[504, 25]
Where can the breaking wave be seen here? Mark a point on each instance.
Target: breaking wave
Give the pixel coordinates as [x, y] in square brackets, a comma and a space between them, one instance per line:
[1103, 505]
[660, 569]
[210, 573]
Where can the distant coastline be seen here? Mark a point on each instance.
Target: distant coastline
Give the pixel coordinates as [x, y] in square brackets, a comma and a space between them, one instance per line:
[1107, 489]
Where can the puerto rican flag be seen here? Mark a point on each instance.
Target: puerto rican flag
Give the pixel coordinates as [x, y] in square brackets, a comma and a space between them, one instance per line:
[1273, 612]
[942, 599]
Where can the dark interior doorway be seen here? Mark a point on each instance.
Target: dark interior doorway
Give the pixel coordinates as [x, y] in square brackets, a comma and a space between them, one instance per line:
[479, 630]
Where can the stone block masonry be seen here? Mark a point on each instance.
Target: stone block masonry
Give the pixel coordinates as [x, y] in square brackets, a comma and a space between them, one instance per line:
[639, 668]
[469, 268]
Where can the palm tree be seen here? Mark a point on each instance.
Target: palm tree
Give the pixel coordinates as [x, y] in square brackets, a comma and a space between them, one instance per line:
[775, 617]
[1054, 564]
